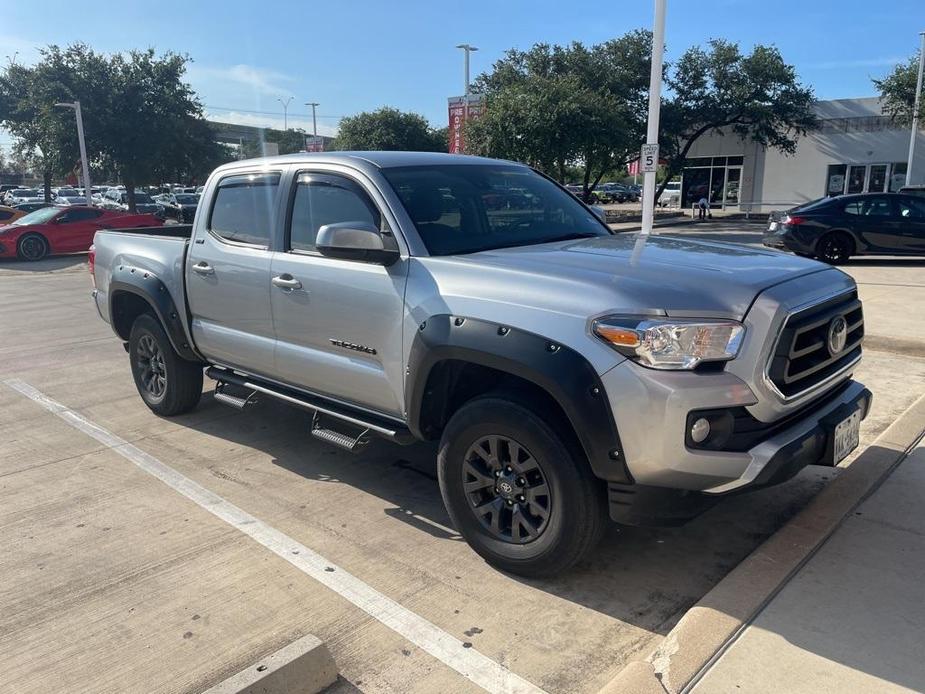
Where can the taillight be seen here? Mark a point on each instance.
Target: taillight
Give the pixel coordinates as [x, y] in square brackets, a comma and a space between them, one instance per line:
[91, 263]
[793, 221]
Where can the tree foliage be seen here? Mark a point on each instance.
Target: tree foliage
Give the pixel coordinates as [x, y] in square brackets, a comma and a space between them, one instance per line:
[141, 120]
[557, 106]
[897, 90]
[720, 90]
[389, 129]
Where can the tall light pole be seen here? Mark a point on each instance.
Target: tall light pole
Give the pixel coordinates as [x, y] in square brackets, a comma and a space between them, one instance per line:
[83, 148]
[314, 104]
[655, 102]
[915, 110]
[468, 49]
[285, 112]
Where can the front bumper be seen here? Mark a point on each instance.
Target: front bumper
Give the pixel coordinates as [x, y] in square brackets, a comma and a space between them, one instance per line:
[651, 410]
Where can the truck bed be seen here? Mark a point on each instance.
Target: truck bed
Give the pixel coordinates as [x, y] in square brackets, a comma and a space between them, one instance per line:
[182, 231]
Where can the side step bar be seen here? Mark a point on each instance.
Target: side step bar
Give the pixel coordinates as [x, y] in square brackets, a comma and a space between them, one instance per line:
[234, 401]
[337, 438]
[370, 424]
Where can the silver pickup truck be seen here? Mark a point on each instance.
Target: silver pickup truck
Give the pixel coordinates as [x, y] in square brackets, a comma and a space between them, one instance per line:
[569, 373]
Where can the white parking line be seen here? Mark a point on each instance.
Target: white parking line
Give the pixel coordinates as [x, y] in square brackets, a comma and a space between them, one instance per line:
[473, 665]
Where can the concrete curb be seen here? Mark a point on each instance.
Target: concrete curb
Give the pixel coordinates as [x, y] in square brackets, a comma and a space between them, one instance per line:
[304, 666]
[708, 627]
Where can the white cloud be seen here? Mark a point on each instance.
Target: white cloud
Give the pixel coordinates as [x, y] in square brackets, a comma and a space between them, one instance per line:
[260, 82]
[862, 62]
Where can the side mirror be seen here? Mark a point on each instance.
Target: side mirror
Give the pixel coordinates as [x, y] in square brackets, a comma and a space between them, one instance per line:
[354, 241]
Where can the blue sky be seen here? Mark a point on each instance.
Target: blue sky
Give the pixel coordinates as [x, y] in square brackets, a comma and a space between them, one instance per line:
[354, 56]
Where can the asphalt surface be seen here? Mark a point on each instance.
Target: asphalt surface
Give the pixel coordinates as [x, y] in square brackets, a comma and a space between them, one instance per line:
[115, 580]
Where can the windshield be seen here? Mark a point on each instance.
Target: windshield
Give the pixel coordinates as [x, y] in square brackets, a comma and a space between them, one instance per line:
[25, 193]
[38, 217]
[466, 208]
[68, 192]
[140, 198]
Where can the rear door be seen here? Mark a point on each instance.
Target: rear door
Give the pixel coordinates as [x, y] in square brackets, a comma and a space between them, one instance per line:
[228, 272]
[910, 221]
[872, 219]
[338, 322]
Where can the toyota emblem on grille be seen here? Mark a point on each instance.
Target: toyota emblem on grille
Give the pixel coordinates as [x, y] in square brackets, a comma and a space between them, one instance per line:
[838, 335]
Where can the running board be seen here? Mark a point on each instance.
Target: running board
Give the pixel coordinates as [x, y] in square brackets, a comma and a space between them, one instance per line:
[337, 438]
[381, 426]
[234, 401]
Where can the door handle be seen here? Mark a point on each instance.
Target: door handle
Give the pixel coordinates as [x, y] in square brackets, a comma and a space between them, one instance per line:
[286, 281]
[203, 268]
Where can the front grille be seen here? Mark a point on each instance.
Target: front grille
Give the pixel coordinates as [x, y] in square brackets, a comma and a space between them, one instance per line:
[802, 358]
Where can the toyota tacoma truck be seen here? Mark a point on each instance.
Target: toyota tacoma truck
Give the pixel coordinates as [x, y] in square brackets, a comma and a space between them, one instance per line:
[570, 374]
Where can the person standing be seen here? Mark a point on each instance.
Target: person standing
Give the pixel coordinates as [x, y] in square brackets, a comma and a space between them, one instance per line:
[703, 205]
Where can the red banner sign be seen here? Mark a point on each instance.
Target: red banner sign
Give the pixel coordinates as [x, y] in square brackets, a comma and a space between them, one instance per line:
[462, 109]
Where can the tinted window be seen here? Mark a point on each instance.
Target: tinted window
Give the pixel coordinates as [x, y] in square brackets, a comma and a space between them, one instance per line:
[243, 208]
[79, 215]
[869, 207]
[465, 208]
[326, 199]
[5, 214]
[911, 208]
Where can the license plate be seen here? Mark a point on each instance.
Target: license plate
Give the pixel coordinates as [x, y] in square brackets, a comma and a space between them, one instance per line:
[772, 226]
[847, 435]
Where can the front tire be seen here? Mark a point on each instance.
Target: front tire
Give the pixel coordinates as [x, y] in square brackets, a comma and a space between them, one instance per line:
[32, 247]
[515, 491]
[835, 248]
[168, 384]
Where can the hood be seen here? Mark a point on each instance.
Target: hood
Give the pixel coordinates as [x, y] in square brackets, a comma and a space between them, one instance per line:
[659, 275]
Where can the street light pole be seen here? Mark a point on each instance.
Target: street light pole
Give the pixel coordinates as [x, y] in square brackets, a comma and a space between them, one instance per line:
[915, 110]
[285, 112]
[655, 101]
[313, 104]
[468, 49]
[83, 148]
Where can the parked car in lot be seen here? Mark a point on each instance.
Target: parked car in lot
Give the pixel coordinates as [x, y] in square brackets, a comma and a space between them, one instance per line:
[834, 229]
[671, 196]
[179, 206]
[27, 207]
[568, 372]
[55, 230]
[117, 199]
[21, 195]
[10, 214]
[917, 190]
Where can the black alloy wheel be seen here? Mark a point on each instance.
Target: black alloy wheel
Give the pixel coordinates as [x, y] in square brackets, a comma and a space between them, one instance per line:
[150, 362]
[32, 247]
[506, 489]
[835, 248]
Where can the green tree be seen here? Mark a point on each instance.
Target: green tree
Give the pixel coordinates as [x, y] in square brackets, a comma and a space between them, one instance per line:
[141, 120]
[389, 129]
[897, 90]
[721, 90]
[557, 107]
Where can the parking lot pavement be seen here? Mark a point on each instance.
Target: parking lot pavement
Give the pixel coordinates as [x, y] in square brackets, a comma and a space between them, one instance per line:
[117, 582]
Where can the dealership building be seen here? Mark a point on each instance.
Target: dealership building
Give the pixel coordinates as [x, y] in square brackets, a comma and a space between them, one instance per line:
[857, 149]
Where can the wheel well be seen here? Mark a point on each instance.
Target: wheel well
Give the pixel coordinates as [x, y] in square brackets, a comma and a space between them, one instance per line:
[452, 383]
[840, 232]
[125, 308]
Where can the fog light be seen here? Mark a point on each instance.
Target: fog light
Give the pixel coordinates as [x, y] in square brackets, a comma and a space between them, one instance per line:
[700, 430]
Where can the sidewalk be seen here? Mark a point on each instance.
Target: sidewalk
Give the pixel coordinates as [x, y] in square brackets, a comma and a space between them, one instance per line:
[853, 618]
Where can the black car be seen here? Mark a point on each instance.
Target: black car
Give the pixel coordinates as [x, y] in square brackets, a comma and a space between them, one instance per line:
[180, 206]
[834, 229]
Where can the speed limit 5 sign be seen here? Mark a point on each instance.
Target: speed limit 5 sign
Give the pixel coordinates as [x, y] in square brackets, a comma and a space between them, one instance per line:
[649, 158]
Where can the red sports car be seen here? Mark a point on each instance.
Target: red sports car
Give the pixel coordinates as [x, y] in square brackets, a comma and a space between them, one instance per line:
[54, 230]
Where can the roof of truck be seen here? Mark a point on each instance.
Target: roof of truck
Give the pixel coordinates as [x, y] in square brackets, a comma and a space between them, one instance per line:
[381, 160]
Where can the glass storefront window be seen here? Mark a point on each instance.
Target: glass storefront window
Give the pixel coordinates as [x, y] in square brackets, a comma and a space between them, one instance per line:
[877, 181]
[719, 161]
[835, 179]
[736, 161]
[898, 176]
[856, 175]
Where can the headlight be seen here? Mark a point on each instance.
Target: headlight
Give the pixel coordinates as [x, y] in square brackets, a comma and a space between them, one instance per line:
[671, 344]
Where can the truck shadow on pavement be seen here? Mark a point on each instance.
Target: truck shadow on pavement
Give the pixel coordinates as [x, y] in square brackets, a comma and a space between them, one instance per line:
[647, 577]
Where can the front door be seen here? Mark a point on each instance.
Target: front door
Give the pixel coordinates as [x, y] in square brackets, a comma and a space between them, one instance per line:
[910, 224]
[74, 230]
[338, 322]
[228, 274]
[872, 219]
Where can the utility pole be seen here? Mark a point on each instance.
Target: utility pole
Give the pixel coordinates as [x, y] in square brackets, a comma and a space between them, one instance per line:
[915, 110]
[655, 102]
[467, 49]
[285, 112]
[83, 148]
[314, 104]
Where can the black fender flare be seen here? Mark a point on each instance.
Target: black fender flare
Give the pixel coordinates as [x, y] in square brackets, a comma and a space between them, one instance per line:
[562, 372]
[146, 285]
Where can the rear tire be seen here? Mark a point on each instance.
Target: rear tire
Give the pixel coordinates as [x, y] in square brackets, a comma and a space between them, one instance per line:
[835, 248]
[168, 384]
[32, 247]
[515, 491]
